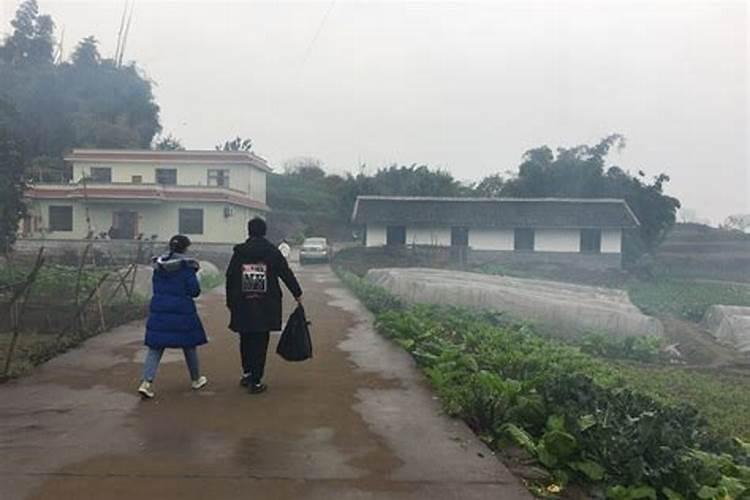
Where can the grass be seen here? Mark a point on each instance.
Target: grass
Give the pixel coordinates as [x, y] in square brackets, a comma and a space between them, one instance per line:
[30, 351]
[685, 299]
[33, 348]
[723, 399]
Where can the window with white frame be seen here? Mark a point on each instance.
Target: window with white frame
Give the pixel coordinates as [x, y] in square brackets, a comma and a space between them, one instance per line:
[218, 177]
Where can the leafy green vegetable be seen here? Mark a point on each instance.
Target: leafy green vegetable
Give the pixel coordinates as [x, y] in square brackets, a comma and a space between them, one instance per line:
[578, 415]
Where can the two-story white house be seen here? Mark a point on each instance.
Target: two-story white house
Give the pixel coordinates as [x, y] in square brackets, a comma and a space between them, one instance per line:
[150, 195]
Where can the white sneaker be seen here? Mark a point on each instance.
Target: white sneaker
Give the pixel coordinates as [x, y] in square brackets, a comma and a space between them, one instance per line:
[145, 390]
[201, 382]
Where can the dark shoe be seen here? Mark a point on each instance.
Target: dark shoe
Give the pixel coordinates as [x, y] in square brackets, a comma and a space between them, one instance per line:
[257, 388]
[245, 381]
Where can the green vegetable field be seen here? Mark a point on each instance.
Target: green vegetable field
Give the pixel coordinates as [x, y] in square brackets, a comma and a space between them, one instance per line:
[621, 428]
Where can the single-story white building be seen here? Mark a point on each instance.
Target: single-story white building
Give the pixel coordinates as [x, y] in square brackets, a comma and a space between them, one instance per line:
[582, 232]
[150, 195]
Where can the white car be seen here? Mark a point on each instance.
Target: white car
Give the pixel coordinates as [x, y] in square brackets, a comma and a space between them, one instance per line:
[315, 249]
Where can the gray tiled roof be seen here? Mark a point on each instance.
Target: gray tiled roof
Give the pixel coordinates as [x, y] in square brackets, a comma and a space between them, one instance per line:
[495, 212]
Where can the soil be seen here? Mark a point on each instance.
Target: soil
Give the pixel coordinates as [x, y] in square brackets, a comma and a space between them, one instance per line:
[700, 349]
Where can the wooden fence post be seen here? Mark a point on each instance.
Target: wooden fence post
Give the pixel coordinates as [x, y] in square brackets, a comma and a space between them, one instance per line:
[17, 313]
[83, 305]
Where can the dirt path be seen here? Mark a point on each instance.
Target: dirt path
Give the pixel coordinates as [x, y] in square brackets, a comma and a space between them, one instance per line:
[700, 349]
[356, 422]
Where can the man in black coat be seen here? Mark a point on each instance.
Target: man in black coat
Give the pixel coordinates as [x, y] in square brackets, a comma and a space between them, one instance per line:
[254, 299]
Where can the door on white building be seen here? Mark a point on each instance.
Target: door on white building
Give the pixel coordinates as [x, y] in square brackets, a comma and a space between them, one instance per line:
[395, 235]
[125, 223]
[459, 236]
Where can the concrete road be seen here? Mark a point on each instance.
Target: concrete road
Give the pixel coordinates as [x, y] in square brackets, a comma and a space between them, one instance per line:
[356, 422]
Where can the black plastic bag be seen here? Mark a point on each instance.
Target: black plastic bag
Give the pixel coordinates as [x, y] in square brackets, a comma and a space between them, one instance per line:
[295, 343]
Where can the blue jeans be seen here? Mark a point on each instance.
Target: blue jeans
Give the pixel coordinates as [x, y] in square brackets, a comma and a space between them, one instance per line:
[153, 357]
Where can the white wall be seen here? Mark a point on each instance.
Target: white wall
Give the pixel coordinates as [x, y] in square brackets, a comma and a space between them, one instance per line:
[557, 240]
[612, 241]
[545, 240]
[257, 187]
[244, 178]
[376, 236]
[491, 239]
[161, 219]
[428, 236]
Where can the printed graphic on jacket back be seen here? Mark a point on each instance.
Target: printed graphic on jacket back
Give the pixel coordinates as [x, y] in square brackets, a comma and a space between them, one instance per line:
[254, 280]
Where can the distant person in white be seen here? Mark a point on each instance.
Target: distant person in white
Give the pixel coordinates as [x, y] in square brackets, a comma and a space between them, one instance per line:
[285, 249]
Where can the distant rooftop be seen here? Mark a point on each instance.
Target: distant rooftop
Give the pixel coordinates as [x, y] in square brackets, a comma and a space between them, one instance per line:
[152, 156]
[495, 212]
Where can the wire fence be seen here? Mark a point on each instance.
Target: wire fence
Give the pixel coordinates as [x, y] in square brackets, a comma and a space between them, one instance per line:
[47, 308]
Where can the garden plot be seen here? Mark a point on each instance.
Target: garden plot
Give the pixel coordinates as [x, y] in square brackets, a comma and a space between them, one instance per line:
[730, 325]
[560, 308]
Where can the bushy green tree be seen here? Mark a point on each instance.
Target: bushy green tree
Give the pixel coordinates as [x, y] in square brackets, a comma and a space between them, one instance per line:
[582, 172]
[86, 102]
[87, 53]
[32, 39]
[490, 187]
[12, 177]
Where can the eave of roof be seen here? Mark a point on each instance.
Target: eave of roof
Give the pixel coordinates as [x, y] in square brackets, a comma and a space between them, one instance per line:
[633, 220]
[150, 156]
[136, 195]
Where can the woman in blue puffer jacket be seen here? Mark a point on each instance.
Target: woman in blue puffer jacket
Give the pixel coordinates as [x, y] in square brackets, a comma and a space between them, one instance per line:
[173, 319]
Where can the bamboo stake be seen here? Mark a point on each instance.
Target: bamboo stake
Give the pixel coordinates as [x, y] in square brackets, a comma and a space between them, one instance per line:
[123, 283]
[17, 313]
[102, 323]
[82, 306]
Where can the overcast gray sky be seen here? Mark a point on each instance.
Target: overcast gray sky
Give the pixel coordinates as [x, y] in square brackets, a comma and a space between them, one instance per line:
[466, 86]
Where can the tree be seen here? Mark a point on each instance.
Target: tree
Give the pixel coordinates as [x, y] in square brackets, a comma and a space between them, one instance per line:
[236, 144]
[88, 102]
[581, 172]
[87, 53]
[738, 222]
[412, 180]
[50, 107]
[491, 186]
[168, 143]
[305, 167]
[32, 40]
[12, 177]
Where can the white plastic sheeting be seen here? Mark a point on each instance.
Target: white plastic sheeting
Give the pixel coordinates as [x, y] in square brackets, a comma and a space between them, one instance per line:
[730, 325]
[560, 308]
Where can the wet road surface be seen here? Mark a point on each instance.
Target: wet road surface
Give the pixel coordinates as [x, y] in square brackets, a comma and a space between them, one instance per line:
[356, 422]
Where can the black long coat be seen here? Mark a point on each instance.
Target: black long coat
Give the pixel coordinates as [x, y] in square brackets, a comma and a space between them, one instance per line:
[252, 282]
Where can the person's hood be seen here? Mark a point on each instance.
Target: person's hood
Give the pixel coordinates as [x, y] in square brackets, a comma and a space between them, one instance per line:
[172, 262]
[254, 248]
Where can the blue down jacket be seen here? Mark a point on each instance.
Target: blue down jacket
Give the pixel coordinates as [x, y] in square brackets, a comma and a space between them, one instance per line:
[173, 320]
